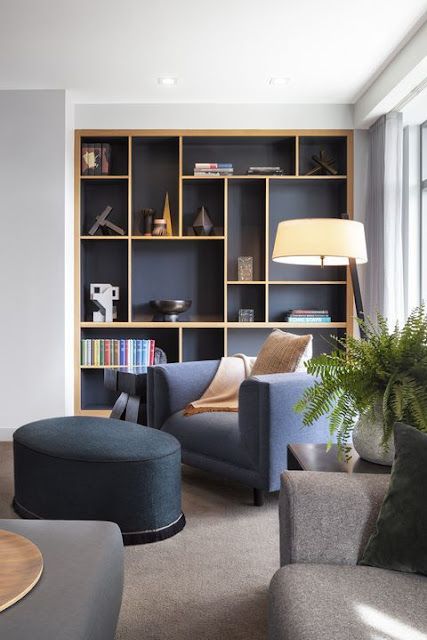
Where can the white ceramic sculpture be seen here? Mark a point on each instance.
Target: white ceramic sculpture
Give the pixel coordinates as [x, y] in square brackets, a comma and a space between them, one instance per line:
[103, 296]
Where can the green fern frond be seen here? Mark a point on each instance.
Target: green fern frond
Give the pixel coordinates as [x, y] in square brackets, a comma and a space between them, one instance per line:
[388, 369]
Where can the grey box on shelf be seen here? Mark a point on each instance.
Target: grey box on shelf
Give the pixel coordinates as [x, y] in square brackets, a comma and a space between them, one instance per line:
[245, 268]
[246, 315]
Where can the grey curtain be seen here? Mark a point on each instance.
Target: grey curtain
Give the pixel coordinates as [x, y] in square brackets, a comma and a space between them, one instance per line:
[384, 275]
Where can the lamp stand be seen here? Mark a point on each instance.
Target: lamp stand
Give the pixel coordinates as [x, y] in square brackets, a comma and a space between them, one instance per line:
[357, 295]
[356, 288]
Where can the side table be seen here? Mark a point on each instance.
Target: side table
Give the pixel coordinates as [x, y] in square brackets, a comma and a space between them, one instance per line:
[132, 383]
[314, 457]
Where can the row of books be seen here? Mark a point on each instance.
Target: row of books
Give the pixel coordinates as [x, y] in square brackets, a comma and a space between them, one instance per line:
[308, 315]
[96, 158]
[120, 352]
[213, 169]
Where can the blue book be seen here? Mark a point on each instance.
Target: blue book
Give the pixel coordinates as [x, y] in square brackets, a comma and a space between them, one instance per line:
[145, 353]
[139, 353]
[122, 353]
[309, 319]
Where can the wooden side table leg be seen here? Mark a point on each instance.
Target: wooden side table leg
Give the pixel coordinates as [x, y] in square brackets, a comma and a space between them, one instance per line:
[120, 406]
[132, 409]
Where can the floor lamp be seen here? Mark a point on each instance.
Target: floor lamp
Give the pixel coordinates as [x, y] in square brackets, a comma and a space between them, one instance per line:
[324, 242]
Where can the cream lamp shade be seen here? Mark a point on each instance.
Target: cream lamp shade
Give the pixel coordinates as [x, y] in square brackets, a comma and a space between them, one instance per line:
[320, 242]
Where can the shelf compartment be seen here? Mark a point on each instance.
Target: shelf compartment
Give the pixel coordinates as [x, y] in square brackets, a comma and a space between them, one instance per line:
[119, 154]
[334, 146]
[179, 270]
[283, 298]
[241, 151]
[240, 340]
[104, 262]
[94, 395]
[317, 199]
[96, 195]
[246, 298]
[209, 193]
[155, 171]
[246, 226]
[202, 344]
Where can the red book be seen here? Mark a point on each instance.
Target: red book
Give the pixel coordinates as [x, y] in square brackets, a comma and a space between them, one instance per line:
[105, 158]
[152, 348]
[107, 353]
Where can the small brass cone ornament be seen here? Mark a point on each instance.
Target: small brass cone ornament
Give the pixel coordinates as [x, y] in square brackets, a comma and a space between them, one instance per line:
[167, 215]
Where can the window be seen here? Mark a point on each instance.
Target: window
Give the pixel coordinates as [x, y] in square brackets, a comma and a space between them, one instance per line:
[424, 211]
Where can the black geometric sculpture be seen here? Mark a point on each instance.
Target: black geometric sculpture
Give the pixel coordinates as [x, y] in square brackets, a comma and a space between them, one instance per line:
[104, 225]
[202, 225]
[323, 163]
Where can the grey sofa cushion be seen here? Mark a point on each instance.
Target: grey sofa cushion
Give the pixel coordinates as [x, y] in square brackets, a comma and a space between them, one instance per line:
[215, 435]
[79, 593]
[334, 602]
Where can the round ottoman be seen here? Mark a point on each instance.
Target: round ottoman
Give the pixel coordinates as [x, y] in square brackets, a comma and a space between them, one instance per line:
[80, 468]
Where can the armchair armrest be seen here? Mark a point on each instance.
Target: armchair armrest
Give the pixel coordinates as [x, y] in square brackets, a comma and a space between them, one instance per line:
[327, 518]
[170, 387]
[268, 422]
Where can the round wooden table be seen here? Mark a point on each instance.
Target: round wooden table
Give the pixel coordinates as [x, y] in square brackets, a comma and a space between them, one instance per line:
[21, 565]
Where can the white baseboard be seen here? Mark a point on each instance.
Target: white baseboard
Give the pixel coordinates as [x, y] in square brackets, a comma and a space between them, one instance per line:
[6, 434]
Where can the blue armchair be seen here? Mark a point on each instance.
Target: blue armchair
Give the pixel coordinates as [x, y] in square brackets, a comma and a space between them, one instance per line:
[249, 446]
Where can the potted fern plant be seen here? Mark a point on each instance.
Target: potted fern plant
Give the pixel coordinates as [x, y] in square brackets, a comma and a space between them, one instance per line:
[365, 386]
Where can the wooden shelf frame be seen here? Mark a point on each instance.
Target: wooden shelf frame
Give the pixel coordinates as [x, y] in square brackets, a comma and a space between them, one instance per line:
[267, 284]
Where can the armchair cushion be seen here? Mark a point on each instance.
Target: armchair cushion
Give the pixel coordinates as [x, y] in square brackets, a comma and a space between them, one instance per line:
[282, 352]
[331, 602]
[215, 435]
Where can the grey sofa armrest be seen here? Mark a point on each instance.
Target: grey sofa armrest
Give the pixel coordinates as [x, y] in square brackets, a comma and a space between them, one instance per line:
[170, 387]
[327, 518]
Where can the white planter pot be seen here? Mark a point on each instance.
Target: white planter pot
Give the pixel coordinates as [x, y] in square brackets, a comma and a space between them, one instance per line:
[367, 437]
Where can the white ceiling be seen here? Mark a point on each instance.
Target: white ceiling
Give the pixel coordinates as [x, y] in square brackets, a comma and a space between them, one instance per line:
[220, 51]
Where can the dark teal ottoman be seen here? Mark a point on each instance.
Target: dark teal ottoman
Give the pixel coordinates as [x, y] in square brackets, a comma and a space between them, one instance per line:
[80, 468]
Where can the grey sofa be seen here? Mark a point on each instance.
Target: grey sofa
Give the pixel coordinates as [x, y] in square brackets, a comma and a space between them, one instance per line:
[320, 593]
[251, 446]
[79, 593]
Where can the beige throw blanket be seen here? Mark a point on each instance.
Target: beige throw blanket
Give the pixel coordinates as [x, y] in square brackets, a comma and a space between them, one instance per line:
[223, 392]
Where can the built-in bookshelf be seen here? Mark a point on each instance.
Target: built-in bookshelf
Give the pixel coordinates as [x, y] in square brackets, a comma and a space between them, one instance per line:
[245, 210]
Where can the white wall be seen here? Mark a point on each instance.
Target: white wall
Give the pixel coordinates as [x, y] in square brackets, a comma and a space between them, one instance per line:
[214, 116]
[32, 161]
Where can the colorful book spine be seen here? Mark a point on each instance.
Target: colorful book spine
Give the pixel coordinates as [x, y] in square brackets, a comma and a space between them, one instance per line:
[105, 352]
[308, 319]
[105, 158]
[213, 165]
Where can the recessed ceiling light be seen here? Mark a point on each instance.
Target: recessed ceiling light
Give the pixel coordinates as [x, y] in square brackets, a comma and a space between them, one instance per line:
[279, 81]
[167, 81]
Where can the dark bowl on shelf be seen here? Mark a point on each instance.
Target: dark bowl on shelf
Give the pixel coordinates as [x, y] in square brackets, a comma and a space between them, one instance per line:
[168, 310]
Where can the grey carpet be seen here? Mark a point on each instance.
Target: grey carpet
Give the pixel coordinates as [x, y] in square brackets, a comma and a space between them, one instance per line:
[211, 580]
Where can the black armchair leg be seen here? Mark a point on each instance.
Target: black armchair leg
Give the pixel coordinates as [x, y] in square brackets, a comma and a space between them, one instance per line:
[258, 497]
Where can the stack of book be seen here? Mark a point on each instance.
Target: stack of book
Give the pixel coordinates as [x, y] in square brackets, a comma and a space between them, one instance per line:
[121, 352]
[96, 158]
[265, 171]
[307, 315]
[213, 169]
